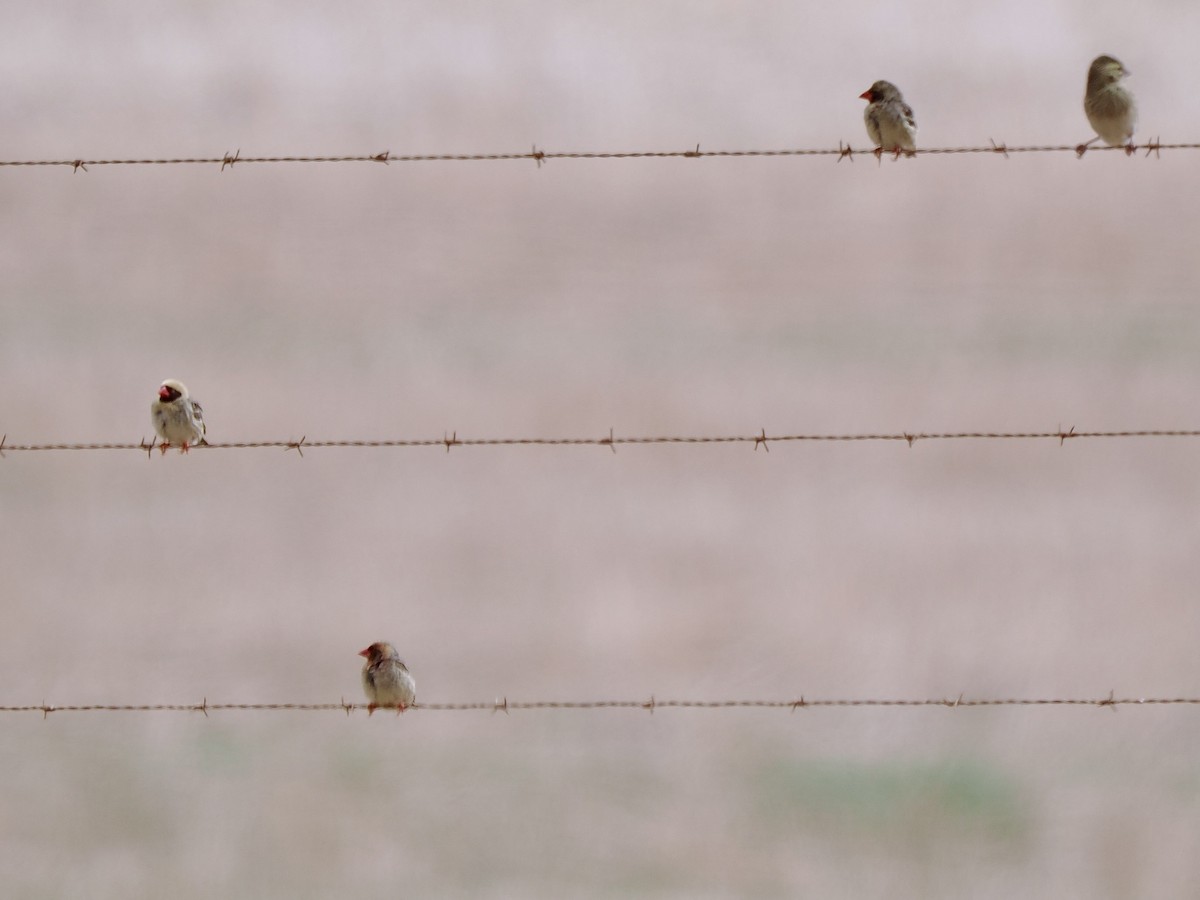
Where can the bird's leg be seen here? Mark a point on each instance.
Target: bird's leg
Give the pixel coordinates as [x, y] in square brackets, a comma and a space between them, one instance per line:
[1130, 148]
[896, 152]
[878, 151]
[164, 447]
[400, 708]
[1082, 148]
[183, 448]
[370, 709]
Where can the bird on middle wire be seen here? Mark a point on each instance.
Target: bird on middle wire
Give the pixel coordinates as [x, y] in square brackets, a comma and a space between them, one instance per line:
[890, 121]
[177, 418]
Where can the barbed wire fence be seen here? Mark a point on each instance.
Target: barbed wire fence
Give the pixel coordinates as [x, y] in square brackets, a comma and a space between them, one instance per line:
[504, 705]
[612, 441]
[539, 156]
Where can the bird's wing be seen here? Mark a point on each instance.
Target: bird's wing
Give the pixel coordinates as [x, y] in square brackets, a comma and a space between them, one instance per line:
[198, 416]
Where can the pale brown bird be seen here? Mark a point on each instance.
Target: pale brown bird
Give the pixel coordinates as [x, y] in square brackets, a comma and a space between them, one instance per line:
[177, 418]
[1109, 105]
[890, 122]
[386, 680]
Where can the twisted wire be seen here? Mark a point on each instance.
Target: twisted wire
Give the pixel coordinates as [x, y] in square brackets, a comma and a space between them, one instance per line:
[649, 705]
[843, 151]
[613, 441]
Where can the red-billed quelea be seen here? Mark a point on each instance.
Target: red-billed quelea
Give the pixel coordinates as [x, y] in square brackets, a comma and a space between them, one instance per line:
[1109, 104]
[386, 680]
[177, 418]
[889, 119]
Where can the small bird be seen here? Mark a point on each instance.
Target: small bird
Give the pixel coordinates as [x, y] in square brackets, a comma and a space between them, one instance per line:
[386, 680]
[889, 119]
[1109, 104]
[177, 418]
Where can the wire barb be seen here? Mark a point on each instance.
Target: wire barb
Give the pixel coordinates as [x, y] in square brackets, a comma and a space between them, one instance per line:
[1063, 435]
[538, 156]
[382, 157]
[77, 165]
[762, 439]
[297, 446]
[610, 440]
[228, 160]
[693, 154]
[999, 148]
[844, 153]
[451, 441]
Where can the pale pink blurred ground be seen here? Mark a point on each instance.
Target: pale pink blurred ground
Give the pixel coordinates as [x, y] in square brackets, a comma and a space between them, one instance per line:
[705, 297]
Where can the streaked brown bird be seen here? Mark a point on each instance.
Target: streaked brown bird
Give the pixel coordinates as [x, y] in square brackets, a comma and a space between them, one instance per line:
[386, 680]
[1109, 105]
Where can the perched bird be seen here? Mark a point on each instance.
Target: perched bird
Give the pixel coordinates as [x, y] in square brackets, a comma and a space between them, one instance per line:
[386, 680]
[889, 119]
[177, 418]
[1109, 104]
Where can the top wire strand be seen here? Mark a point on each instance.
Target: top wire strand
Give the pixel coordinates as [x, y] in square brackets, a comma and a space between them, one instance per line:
[843, 151]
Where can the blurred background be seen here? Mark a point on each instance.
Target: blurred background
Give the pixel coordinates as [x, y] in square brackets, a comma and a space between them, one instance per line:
[499, 299]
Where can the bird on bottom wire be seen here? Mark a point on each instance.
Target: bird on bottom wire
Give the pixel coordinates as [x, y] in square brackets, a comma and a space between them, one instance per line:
[890, 122]
[177, 418]
[386, 680]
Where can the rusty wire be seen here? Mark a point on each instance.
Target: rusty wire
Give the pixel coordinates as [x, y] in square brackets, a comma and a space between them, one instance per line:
[843, 151]
[503, 704]
[612, 441]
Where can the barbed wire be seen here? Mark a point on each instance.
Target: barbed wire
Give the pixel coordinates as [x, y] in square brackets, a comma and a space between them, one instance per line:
[504, 705]
[612, 441]
[843, 151]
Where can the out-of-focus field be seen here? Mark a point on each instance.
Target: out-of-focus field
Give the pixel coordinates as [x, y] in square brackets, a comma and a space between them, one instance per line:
[653, 297]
